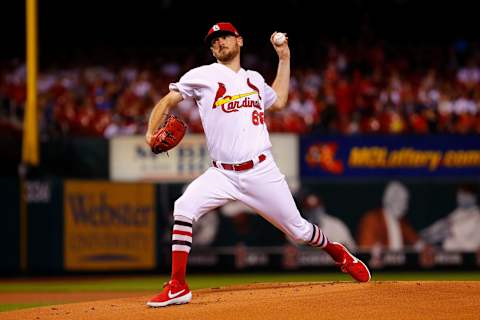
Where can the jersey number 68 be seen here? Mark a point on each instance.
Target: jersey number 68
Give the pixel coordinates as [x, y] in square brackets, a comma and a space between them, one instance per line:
[257, 117]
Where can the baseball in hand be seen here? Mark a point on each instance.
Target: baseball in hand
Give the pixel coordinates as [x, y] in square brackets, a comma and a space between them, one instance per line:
[279, 38]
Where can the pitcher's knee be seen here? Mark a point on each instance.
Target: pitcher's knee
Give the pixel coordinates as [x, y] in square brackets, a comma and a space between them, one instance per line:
[183, 207]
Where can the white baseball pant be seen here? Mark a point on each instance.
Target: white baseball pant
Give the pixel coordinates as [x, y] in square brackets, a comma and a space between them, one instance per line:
[263, 188]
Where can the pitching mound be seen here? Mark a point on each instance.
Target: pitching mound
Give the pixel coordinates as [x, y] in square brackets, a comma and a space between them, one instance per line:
[318, 300]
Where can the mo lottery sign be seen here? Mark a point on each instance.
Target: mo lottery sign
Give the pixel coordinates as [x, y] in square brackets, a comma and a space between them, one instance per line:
[360, 156]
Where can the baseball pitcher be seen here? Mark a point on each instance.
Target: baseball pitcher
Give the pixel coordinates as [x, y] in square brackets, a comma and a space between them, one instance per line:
[232, 103]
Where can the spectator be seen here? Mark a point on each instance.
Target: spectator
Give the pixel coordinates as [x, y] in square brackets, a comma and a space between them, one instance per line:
[459, 231]
[358, 89]
[387, 227]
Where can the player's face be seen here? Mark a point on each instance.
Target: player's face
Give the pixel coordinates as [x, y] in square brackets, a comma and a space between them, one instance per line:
[226, 47]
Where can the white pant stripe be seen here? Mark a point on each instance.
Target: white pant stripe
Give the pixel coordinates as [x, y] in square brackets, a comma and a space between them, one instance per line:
[180, 247]
[182, 237]
[319, 234]
[322, 241]
[182, 228]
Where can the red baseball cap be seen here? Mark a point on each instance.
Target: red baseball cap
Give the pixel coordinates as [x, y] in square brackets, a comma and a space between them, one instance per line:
[219, 28]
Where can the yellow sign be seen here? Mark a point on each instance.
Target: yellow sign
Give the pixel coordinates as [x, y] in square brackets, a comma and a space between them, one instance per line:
[109, 226]
[381, 157]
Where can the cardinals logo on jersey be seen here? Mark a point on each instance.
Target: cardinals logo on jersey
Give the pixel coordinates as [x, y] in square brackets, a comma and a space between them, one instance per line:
[235, 102]
[251, 85]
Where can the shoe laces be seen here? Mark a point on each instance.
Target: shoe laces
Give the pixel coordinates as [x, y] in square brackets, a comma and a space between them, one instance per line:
[171, 284]
[168, 284]
[343, 265]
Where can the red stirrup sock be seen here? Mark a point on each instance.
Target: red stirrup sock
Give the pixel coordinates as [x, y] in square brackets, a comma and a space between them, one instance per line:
[318, 239]
[181, 244]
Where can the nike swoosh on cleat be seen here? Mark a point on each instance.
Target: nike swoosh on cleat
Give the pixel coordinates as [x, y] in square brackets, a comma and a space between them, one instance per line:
[174, 295]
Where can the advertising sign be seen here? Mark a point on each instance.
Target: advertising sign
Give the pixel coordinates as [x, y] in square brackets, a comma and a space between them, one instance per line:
[109, 226]
[362, 156]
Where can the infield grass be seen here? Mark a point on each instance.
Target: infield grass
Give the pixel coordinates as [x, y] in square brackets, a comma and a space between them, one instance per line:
[197, 281]
[18, 306]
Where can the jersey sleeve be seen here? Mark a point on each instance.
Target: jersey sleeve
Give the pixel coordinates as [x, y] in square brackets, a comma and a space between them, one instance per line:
[187, 85]
[270, 96]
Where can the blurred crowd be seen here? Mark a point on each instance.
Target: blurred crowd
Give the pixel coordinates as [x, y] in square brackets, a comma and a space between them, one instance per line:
[347, 89]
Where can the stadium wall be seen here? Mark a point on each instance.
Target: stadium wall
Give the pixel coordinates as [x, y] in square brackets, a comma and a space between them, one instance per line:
[347, 197]
[112, 234]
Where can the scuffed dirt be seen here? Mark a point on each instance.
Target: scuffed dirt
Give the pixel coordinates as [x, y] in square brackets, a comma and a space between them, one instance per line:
[316, 300]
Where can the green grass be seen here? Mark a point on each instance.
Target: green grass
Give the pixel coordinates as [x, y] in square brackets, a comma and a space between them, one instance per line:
[17, 306]
[151, 283]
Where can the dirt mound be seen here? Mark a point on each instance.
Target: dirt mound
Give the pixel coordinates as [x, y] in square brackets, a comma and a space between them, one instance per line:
[64, 297]
[318, 300]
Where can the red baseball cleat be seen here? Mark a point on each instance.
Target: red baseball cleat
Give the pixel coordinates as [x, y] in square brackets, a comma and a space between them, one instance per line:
[173, 292]
[353, 266]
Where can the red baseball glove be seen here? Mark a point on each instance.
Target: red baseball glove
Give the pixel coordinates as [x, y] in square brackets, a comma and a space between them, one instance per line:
[168, 136]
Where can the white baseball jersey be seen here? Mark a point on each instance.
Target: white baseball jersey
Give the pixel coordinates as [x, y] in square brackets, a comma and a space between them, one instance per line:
[231, 106]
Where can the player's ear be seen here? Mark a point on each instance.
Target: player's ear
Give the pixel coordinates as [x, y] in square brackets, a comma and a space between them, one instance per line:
[240, 41]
